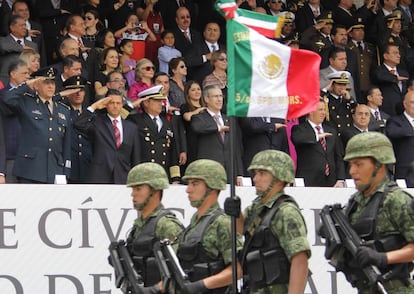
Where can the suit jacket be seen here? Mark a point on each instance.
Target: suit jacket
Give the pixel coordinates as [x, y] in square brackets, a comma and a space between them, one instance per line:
[9, 52]
[378, 125]
[39, 40]
[348, 18]
[211, 146]
[305, 18]
[2, 148]
[44, 148]
[348, 134]
[259, 135]
[161, 147]
[192, 52]
[401, 134]
[109, 165]
[388, 83]
[311, 158]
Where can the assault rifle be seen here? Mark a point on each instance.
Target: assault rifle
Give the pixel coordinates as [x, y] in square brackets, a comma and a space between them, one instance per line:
[169, 265]
[340, 235]
[126, 277]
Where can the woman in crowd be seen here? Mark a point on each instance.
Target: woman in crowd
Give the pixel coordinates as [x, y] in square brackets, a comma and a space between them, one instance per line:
[128, 64]
[104, 39]
[178, 73]
[144, 72]
[93, 25]
[109, 62]
[32, 59]
[194, 105]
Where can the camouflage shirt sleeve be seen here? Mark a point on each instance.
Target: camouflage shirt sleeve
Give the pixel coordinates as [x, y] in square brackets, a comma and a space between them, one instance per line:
[168, 227]
[397, 216]
[290, 228]
[217, 239]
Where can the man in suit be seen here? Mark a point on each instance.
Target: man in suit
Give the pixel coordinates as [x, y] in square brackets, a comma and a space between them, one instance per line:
[81, 147]
[319, 151]
[400, 130]
[44, 148]
[346, 14]
[212, 129]
[13, 44]
[168, 9]
[378, 117]
[115, 140]
[391, 79]
[262, 133]
[360, 123]
[158, 138]
[18, 73]
[34, 29]
[190, 43]
[306, 15]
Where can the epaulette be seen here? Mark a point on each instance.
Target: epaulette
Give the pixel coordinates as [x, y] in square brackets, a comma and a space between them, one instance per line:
[29, 94]
[63, 104]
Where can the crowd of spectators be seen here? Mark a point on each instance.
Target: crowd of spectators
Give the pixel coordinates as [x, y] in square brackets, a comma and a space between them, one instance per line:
[97, 49]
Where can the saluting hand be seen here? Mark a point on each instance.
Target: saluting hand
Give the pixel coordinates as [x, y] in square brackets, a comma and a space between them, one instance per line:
[101, 103]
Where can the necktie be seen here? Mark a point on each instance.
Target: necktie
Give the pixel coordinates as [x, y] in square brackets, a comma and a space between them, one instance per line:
[407, 10]
[78, 112]
[218, 122]
[392, 71]
[327, 40]
[80, 43]
[360, 47]
[315, 13]
[156, 124]
[19, 42]
[376, 113]
[323, 144]
[117, 134]
[47, 104]
[187, 36]
[213, 48]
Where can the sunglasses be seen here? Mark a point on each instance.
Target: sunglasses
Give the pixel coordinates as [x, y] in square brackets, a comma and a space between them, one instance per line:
[148, 68]
[222, 59]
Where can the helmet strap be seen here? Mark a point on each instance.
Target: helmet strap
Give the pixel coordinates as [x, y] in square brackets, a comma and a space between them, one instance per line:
[268, 190]
[141, 207]
[200, 202]
[364, 188]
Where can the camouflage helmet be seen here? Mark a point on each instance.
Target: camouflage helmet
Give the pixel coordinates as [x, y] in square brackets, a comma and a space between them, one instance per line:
[370, 144]
[278, 163]
[148, 173]
[210, 171]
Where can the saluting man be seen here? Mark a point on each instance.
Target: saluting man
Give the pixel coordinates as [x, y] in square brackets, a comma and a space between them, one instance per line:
[44, 149]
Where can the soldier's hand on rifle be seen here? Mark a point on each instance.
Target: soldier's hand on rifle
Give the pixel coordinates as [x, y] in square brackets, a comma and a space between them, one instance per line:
[194, 287]
[232, 206]
[367, 256]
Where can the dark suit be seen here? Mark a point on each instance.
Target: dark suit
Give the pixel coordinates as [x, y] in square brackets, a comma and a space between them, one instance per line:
[81, 153]
[39, 40]
[211, 146]
[44, 149]
[192, 52]
[305, 18]
[5, 14]
[348, 134]
[109, 165]
[161, 147]
[378, 125]
[311, 158]
[259, 135]
[388, 84]
[348, 18]
[168, 9]
[2, 147]
[9, 52]
[401, 134]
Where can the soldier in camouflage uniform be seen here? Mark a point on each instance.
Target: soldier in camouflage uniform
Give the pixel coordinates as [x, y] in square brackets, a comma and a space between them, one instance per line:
[276, 250]
[381, 214]
[148, 180]
[204, 249]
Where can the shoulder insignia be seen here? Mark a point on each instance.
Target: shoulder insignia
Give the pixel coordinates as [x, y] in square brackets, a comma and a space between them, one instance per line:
[28, 94]
[63, 104]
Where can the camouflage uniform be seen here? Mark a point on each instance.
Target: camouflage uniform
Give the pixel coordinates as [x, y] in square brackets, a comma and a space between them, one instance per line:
[287, 224]
[395, 217]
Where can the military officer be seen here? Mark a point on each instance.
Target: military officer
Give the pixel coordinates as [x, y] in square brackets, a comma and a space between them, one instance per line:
[204, 249]
[285, 245]
[156, 134]
[382, 214]
[44, 149]
[81, 147]
[155, 223]
[340, 101]
[318, 37]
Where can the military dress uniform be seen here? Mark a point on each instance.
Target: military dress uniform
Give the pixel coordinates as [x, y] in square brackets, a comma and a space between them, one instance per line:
[204, 247]
[288, 232]
[394, 222]
[159, 225]
[44, 149]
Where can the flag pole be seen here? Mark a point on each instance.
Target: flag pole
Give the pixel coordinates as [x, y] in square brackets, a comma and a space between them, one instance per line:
[233, 135]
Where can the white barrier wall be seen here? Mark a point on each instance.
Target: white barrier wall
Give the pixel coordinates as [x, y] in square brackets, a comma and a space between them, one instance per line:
[54, 239]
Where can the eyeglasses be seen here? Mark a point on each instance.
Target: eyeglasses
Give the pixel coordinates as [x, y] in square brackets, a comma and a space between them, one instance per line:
[222, 59]
[118, 81]
[88, 18]
[148, 68]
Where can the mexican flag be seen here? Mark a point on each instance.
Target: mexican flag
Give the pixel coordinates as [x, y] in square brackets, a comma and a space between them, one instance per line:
[266, 78]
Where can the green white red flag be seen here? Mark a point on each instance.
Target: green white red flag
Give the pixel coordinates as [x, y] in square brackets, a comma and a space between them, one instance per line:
[266, 78]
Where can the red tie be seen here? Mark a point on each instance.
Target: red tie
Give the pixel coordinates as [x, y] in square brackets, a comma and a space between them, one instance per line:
[323, 143]
[117, 134]
[392, 71]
